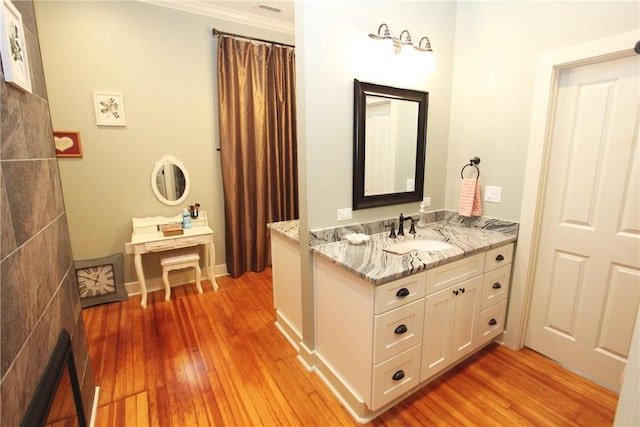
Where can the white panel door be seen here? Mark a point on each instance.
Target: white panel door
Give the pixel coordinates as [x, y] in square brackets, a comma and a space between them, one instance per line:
[586, 288]
[380, 160]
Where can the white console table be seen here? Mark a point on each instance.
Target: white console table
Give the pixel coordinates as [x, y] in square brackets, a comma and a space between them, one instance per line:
[148, 237]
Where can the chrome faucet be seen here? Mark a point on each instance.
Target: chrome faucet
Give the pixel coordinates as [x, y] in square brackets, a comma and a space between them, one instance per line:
[412, 230]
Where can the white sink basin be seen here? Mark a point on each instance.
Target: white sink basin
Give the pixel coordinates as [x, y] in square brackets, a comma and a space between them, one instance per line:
[427, 244]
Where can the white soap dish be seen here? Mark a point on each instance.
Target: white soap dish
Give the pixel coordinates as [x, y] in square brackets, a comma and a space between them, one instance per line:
[357, 238]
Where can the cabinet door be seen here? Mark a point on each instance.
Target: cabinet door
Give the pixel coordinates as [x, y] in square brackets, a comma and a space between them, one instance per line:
[467, 297]
[436, 343]
[450, 325]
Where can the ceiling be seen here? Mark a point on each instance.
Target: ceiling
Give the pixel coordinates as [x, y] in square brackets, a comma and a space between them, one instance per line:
[273, 15]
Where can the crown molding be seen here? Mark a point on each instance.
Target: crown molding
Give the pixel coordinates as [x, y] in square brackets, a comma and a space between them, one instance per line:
[226, 14]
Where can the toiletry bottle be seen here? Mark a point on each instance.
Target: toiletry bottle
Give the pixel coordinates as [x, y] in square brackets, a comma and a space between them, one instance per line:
[186, 219]
[422, 222]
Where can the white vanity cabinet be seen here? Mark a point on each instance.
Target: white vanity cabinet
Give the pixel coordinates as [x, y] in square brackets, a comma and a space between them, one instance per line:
[377, 343]
[287, 291]
[468, 312]
[495, 290]
[368, 338]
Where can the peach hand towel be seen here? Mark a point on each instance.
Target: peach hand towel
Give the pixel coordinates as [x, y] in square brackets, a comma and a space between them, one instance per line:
[469, 203]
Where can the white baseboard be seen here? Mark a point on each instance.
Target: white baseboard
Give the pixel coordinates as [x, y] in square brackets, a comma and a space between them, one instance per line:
[177, 278]
[288, 331]
[306, 357]
[94, 409]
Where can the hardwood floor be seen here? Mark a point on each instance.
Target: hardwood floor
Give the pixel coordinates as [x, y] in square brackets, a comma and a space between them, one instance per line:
[217, 359]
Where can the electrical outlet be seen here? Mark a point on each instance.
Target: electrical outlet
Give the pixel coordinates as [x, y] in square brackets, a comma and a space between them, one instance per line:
[344, 214]
[427, 202]
[492, 193]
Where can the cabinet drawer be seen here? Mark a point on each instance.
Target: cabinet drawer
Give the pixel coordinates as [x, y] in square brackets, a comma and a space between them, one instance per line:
[161, 245]
[491, 322]
[397, 330]
[453, 272]
[399, 292]
[183, 242]
[495, 286]
[395, 376]
[498, 257]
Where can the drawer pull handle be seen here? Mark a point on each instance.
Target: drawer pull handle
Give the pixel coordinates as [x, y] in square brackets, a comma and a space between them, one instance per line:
[496, 285]
[402, 293]
[499, 258]
[400, 330]
[462, 290]
[493, 322]
[455, 292]
[398, 375]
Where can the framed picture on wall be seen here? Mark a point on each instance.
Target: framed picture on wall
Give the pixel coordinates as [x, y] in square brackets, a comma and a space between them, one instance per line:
[13, 47]
[109, 108]
[67, 143]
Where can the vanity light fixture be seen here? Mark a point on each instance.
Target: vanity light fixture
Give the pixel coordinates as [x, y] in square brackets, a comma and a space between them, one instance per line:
[406, 41]
[403, 40]
[385, 36]
[426, 47]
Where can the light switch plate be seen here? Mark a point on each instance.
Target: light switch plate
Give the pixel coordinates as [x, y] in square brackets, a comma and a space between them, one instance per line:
[427, 202]
[492, 193]
[344, 214]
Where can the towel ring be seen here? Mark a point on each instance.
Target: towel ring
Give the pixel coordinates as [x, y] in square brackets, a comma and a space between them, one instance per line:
[473, 162]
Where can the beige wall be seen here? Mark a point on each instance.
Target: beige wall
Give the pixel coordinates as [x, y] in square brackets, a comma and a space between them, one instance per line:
[480, 90]
[333, 41]
[497, 47]
[164, 63]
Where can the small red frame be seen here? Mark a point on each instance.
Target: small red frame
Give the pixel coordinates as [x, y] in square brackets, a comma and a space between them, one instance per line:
[67, 143]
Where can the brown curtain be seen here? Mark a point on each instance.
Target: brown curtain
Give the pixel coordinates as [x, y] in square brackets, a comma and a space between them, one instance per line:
[256, 96]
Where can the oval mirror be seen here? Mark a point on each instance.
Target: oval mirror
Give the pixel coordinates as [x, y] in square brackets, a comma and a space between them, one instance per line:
[170, 181]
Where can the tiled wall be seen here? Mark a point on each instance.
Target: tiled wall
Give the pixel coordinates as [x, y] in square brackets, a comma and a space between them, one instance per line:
[38, 291]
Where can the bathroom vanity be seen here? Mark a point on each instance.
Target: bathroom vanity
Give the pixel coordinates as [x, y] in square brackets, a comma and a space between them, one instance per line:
[287, 290]
[387, 324]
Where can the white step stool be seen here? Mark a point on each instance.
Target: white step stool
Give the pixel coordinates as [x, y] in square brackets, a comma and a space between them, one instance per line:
[179, 262]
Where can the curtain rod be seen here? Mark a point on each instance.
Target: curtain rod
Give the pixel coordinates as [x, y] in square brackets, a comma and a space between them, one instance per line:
[222, 33]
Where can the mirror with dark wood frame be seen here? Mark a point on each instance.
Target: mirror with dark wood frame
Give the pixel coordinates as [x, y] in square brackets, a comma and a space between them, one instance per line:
[390, 127]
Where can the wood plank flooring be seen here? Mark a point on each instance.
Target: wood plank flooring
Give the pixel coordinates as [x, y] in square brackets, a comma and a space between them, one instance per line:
[217, 359]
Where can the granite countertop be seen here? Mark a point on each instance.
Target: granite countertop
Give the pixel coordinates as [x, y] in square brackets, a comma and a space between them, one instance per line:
[370, 262]
[289, 229]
